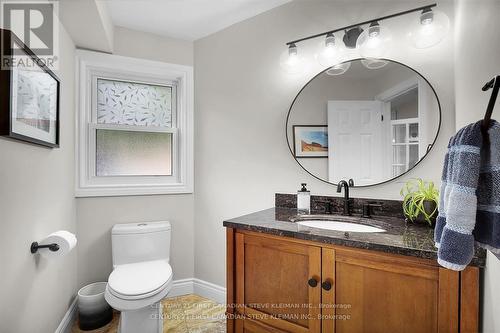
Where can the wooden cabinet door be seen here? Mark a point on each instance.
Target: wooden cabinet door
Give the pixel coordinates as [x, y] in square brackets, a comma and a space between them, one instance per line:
[384, 293]
[272, 284]
[254, 326]
[328, 290]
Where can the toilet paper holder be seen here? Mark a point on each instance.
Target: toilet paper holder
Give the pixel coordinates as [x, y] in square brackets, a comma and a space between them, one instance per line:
[52, 247]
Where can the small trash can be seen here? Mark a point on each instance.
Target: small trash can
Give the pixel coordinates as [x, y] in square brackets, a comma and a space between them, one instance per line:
[93, 310]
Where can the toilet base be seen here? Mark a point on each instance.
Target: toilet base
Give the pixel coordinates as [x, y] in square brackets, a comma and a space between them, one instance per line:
[145, 320]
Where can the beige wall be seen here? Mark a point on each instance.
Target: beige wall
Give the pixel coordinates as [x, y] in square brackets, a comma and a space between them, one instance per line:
[96, 216]
[477, 61]
[36, 199]
[241, 101]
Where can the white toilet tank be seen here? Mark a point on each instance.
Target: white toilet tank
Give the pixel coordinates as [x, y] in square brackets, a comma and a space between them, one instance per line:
[137, 242]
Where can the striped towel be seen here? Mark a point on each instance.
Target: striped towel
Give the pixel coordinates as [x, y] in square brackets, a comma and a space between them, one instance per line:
[469, 207]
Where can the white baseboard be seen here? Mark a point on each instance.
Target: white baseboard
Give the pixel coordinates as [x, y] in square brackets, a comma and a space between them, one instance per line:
[209, 290]
[179, 288]
[69, 318]
[199, 287]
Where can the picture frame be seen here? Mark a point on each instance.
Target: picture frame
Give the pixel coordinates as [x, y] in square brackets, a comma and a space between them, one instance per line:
[29, 95]
[310, 141]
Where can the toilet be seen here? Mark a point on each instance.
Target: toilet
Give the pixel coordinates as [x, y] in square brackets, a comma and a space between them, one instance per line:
[141, 275]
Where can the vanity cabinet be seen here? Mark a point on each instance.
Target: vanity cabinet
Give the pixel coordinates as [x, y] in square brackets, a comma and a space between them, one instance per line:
[280, 284]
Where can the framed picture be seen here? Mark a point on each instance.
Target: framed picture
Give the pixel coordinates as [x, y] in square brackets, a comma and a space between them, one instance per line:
[29, 95]
[310, 140]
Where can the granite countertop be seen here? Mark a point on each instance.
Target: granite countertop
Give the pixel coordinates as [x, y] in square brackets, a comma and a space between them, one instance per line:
[400, 237]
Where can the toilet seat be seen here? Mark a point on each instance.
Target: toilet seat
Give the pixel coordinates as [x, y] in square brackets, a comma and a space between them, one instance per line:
[140, 296]
[139, 280]
[137, 285]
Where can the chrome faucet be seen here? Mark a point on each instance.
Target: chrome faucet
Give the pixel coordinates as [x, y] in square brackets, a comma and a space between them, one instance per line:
[345, 185]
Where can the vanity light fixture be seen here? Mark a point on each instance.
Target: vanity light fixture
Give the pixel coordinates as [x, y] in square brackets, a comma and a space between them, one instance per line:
[291, 61]
[351, 36]
[329, 52]
[429, 28]
[375, 42]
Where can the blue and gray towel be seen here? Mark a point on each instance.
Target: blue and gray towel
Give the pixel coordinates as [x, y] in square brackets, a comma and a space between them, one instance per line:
[469, 207]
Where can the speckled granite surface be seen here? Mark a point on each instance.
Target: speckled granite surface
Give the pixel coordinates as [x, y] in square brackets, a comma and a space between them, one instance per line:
[400, 237]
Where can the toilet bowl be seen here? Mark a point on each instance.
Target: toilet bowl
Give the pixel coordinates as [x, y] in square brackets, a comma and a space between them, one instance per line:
[141, 275]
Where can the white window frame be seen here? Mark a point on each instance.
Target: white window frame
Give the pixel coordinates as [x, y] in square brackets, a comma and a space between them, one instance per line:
[94, 65]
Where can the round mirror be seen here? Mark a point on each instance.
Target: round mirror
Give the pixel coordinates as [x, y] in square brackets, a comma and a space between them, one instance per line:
[368, 123]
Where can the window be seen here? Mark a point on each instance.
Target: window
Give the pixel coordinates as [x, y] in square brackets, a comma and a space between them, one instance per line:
[134, 126]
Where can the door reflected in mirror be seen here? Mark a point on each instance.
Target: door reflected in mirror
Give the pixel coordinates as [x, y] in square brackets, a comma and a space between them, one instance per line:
[368, 124]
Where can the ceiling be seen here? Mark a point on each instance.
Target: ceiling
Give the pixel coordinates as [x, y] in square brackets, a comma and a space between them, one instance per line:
[185, 19]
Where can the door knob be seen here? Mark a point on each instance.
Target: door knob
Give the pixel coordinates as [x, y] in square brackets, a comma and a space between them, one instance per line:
[327, 285]
[312, 282]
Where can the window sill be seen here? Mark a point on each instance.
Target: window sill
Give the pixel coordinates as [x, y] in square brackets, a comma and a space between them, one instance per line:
[116, 192]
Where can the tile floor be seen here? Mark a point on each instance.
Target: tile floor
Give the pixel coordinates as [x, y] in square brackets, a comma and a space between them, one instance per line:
[183, 314]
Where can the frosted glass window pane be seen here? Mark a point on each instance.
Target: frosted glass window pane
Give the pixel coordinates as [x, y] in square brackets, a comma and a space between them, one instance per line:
[128, 103]
[399, 155]
[399, 133]
[413, 156]
[131, 153]
[398, 170]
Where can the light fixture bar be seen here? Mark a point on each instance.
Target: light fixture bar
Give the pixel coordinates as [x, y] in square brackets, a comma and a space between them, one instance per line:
[363, 23]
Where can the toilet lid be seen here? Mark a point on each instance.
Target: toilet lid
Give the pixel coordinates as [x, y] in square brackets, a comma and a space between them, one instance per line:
[139, 278]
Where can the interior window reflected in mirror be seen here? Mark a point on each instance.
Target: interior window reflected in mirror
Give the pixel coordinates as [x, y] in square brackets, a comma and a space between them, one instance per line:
[379, 122]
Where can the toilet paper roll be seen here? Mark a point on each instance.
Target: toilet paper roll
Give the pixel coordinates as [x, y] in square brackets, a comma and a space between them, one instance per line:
[65, 239]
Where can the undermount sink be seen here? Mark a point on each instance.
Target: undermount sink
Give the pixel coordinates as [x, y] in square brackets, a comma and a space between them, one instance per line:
[336, 224]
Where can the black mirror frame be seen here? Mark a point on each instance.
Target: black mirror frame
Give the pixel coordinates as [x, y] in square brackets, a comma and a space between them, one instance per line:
[385, 181]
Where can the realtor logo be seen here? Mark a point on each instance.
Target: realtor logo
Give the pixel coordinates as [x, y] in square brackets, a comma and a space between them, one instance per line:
[35, 23]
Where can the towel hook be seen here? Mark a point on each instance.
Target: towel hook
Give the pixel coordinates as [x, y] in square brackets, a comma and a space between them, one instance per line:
[485, 125]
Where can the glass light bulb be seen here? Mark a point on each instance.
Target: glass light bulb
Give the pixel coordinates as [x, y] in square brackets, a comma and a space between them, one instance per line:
[291, 61]
[329, 52]
[339, 69]
[428, 29]
[374, 42]
[374, 63]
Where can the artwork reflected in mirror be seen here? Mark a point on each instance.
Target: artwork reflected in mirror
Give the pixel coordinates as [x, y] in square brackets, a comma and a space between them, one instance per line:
[379, 123]
[310, 141]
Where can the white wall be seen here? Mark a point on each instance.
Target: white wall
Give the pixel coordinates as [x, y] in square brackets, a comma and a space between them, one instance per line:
[96, 216]
[477, 61]
[88, 23]
[132, 43]
[36, 199]
[241, 101]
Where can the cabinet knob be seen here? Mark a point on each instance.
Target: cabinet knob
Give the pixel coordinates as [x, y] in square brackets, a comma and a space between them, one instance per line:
[312, 282]
[327, 285]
